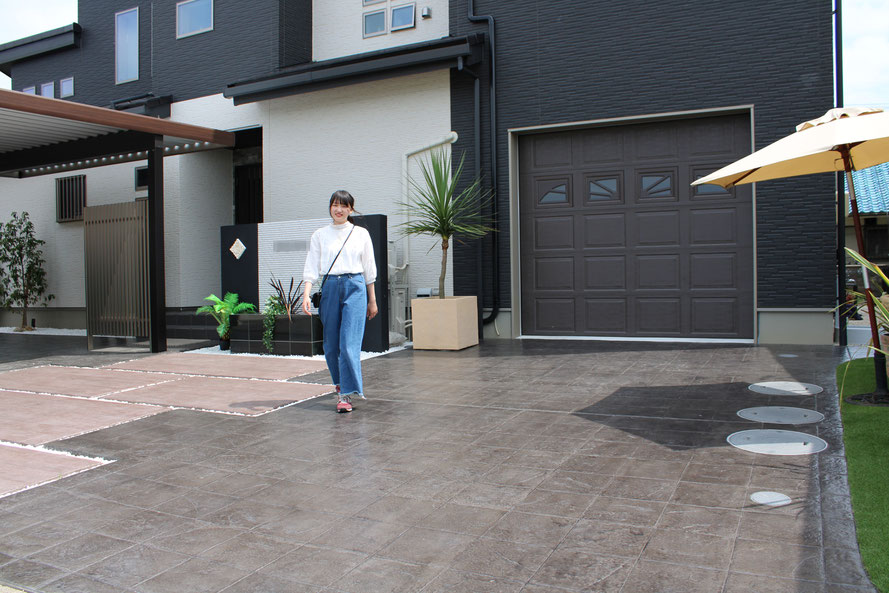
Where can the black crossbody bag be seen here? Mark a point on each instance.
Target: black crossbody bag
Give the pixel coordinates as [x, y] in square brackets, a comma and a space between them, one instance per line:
[316, 298]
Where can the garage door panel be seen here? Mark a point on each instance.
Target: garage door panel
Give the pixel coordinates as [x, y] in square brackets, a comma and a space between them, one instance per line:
[605, 273]
[555, 232]
[657, 228]
[551, 150]
[657, 272]
[555, 315]
[713, 226]
[554, 273]
[605, 147]
[606, 316]
[714, 316]
[655, 142]
[604, 230]
[659, 316]
[713, 271]
[714, 139]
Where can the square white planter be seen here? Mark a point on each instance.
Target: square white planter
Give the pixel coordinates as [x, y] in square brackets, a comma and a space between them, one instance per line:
[450, 323]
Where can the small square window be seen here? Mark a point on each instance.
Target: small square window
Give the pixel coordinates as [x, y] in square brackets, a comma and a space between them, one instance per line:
[29, 90]
[403, 17]
[66, 87]
[193, 17]
[48, 89]
[141, 178]
[375, 23]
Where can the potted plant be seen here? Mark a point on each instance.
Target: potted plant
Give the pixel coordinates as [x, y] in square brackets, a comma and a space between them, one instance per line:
[281, 328]
[222, 310]
[435, 207]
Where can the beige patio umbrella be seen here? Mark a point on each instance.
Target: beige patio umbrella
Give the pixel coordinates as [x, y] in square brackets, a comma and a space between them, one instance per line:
[843, 139]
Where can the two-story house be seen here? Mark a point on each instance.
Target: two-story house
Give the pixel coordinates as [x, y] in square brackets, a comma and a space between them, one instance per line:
[589, 120]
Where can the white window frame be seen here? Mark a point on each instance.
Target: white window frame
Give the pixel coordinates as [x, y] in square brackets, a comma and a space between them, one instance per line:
[364, 23]
[117, 15]
[52, 89]
[413, 7]
[30, 90]
[369, 2]
[62, 82]
[199, 31]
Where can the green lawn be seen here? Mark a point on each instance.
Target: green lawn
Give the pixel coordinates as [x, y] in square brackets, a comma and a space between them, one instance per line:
[866, 435]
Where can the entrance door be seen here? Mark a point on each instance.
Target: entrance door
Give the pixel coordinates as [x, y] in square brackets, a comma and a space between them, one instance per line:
[615, 242]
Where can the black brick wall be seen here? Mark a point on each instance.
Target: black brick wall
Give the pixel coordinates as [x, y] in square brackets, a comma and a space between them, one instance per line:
[244, 43]
[571, 60]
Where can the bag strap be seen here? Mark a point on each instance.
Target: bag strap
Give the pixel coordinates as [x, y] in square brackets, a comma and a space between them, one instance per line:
[336, 256]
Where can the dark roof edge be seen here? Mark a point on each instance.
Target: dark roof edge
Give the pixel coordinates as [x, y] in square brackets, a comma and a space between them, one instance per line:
[41, 43]
[294, 80]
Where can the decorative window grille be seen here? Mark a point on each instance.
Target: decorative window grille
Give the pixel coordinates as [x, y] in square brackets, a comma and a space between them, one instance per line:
[70, 198]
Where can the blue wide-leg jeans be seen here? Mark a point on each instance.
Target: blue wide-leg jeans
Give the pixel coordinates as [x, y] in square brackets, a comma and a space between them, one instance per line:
[343, 314]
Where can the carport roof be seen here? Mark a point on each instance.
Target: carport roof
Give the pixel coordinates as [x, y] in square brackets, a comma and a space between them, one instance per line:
[39, 135]
[872, 189]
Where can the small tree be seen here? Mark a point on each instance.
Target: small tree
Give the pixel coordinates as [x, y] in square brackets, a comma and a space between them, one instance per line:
[436, 208]
[22, 257]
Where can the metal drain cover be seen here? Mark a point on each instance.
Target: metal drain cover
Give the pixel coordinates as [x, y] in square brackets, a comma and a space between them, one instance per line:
[772, 441]
[785, 388]
[772, 499]
[781, 415]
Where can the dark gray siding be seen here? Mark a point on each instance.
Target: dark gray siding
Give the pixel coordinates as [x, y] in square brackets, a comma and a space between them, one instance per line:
[244, 43]
[564, 61]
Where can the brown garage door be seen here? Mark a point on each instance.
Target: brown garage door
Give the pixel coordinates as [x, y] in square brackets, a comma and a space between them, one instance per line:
[615, 242]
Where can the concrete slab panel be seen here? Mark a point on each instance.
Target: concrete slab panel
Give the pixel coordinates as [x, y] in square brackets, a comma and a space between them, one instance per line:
[225, 365]
[35, 419]
[34, 467]
[83, 382]
[230, 395]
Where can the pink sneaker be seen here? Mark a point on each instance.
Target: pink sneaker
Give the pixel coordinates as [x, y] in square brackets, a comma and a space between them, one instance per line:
[343, 404]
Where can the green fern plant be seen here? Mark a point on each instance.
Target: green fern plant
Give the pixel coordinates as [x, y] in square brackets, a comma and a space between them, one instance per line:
[273, 308]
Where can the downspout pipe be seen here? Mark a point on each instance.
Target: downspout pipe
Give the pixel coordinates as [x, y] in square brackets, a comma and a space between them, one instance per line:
[841, 193]
[477, 143]
[492, 103]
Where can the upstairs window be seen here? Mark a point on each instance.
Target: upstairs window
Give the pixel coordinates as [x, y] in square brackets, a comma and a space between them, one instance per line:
[126, 45]
[66, 87]
[375, 23]
[70, 198]
[193, 17]
[29, 90]
[402, 17]
[48, 89]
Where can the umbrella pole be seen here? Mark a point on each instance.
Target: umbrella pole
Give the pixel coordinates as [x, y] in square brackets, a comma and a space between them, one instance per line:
[880, 394]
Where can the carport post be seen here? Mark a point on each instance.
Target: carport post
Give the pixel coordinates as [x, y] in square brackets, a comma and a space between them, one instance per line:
[157, 300]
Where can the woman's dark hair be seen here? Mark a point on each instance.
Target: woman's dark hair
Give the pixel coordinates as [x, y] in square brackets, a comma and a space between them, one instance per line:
[343, 198]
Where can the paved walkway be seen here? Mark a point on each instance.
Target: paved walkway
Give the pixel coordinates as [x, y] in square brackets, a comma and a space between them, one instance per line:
[541, 467]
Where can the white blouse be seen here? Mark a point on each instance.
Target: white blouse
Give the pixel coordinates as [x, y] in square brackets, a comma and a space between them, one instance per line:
[357, 256]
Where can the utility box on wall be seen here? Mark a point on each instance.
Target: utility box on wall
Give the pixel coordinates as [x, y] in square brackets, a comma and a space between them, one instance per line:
[278, 250]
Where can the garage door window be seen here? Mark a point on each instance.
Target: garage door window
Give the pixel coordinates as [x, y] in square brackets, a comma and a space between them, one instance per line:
[657, 186]
[605, 189]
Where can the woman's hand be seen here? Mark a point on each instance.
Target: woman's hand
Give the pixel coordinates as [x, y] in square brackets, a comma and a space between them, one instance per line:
[307, 301]
[371, 309]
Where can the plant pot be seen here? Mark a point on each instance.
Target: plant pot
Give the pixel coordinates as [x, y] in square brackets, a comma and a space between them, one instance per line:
[450, 323]
[300, 335]
[225, 344]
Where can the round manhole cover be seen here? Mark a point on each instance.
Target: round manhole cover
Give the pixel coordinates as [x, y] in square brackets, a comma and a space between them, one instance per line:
[772, 499]
[785, 388]
[781, 415]
[771, 441]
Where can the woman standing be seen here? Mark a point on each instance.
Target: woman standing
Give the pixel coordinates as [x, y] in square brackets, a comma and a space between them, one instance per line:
[344, 254]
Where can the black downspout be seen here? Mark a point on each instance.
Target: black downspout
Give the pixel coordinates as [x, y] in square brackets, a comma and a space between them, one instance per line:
[477, 140]
[841, 183]
[495, 209]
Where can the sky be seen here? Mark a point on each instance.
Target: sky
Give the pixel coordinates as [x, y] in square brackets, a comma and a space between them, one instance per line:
[865, 41]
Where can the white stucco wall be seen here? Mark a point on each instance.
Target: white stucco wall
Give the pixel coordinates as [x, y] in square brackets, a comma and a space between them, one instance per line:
[338, 27]
[354, 138]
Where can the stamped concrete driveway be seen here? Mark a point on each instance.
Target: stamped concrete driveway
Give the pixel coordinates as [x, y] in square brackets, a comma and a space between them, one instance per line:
[541, 467]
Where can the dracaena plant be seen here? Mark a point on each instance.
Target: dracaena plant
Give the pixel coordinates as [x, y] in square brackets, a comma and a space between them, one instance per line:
[435, 206]
[881, 304]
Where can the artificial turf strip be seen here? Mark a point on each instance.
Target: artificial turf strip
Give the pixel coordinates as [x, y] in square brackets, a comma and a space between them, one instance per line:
[866, 437]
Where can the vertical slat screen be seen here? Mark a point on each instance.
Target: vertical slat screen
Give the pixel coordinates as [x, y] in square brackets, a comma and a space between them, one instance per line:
[116, 252]
[70, 198]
